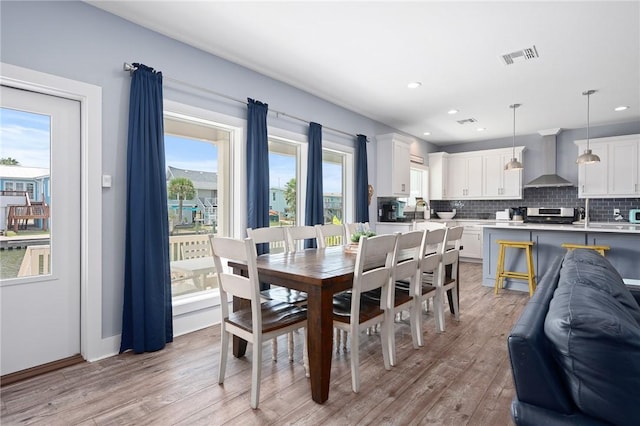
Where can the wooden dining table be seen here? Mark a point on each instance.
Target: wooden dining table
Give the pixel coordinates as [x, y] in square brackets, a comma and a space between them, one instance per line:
[320, 273]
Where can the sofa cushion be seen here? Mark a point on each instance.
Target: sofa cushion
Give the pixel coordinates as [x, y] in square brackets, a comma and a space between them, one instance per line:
[592, 268]
[596, 340]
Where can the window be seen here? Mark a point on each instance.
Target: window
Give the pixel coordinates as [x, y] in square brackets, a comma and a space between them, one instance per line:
[26, 155]
[31, 191]
[333, 185]
[197, 162]
[419, 185]
[284, 158]
[287, 168]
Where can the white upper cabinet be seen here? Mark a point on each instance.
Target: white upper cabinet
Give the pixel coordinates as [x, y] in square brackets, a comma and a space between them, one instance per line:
[394, 161]
[498, 183]
[474, 175]
[616, 175]
[438, 169]
[464, 177]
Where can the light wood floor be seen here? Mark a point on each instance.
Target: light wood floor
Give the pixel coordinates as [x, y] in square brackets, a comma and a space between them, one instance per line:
[459, 377]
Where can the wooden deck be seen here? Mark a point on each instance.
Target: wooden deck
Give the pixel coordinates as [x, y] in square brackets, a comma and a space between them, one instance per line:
[460, 377]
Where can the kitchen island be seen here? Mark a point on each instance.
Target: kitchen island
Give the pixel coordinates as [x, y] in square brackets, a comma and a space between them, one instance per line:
[622, 237]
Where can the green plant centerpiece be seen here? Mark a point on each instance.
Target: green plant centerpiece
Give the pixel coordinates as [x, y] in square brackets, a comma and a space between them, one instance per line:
[355, 237]
[353, 246]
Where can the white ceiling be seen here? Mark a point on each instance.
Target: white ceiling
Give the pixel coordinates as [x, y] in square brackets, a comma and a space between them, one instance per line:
[361, 55]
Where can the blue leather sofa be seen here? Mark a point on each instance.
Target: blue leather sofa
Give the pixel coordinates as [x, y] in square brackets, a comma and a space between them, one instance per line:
[575, 349]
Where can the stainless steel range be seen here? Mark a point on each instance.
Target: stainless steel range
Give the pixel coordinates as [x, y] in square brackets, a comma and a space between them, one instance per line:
[560, 215]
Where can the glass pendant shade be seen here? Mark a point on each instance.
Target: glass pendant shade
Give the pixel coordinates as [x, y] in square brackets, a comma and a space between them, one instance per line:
[514, 164]
[588, 157]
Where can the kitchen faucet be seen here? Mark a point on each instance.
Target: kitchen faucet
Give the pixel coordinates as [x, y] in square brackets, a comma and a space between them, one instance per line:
[586, 212]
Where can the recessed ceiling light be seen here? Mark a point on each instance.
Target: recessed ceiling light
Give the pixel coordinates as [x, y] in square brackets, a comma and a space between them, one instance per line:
[481, 129]
[414, 85]
[621, 108]
[426, 133]
[452, 111]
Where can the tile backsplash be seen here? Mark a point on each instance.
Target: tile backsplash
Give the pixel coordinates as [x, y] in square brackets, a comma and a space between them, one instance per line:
[600, 209]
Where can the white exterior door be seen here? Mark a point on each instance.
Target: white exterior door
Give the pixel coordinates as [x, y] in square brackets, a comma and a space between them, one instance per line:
[40, 308]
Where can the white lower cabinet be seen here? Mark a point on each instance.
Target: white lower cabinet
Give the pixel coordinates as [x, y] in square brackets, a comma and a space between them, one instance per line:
[393, 227]
[472, 242]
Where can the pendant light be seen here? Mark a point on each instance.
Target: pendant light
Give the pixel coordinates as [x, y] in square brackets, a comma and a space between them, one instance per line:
[514, 164]
[588, 157]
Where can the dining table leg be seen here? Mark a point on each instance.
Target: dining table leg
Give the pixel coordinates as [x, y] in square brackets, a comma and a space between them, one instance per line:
[320, 341]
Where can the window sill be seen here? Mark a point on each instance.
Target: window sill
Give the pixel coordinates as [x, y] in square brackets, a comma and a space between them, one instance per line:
[198, 301]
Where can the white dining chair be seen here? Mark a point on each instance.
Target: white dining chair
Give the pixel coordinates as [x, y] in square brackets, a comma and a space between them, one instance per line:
[450, 256]
[350, 229]
[297, 234]
[428, 225]
[428, 273]
[331, 234]
[272, 235]
[261, 321]
[276, 238]
[354, 313]
[409, 252]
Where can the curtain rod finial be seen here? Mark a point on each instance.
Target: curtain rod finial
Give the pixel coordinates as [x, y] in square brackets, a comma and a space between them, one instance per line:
[128, 67]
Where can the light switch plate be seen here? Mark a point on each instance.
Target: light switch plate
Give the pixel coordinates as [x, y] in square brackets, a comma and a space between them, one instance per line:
[106, 181]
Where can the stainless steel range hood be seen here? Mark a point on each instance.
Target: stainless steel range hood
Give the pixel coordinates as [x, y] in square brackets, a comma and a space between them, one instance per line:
[550, 178]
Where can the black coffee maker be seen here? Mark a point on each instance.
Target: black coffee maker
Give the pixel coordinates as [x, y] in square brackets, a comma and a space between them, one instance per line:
[389, 212]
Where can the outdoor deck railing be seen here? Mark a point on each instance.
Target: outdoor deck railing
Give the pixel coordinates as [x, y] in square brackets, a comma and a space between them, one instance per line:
[176, 243]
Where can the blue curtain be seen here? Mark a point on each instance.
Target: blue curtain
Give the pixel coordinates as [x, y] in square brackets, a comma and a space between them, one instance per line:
[147, 322]
[362, 180]
[314, 208]
[257, 169]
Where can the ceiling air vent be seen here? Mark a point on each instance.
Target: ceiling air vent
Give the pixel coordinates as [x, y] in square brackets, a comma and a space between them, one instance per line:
[520, 55]
[467, 121]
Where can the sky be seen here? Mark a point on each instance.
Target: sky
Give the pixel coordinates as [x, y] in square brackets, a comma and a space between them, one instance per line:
[24, 136]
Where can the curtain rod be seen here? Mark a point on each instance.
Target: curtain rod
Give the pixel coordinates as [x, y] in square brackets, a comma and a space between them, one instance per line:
[130, 69]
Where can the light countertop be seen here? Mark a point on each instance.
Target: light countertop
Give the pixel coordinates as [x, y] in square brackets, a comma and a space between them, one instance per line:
[617, 227]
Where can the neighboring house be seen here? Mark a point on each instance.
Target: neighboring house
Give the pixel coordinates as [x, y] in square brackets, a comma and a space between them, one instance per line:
[203, 206]
[277, 202]
[332, 207]
[34, 181]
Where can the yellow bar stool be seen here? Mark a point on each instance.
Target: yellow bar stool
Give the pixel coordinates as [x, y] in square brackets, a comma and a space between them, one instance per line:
[599, 249]
[501, 274]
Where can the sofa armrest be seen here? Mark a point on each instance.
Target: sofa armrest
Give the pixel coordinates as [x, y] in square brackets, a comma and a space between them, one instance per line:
[535, 374]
